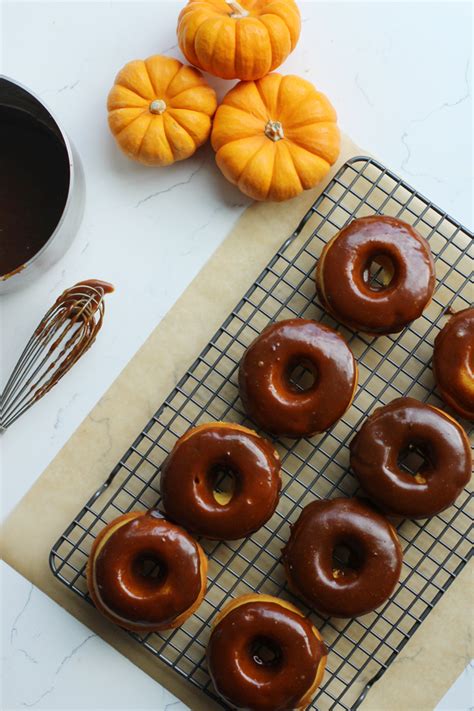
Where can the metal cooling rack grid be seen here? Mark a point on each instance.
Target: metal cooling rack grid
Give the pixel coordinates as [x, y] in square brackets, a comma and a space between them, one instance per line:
[435, 551]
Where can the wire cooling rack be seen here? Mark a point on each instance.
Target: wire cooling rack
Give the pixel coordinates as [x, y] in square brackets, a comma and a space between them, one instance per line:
[435, 551]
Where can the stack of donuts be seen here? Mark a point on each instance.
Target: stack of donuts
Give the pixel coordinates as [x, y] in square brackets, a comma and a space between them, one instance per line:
[147, 570]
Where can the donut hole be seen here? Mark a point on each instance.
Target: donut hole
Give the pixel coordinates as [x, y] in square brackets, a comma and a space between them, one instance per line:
[346, 558]
[265, 652]
[413, 459]
[301, 375]
[150, 567]
[223, 483]
[379, 272]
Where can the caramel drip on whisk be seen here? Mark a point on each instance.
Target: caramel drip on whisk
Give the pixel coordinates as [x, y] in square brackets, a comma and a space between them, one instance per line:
[65, 332]
[81, 305]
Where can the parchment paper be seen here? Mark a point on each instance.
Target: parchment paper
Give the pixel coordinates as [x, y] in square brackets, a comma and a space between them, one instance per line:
[439, 650]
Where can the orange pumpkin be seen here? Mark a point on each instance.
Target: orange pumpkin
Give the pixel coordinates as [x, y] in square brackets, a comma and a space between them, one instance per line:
[238, 39]
[160, 110]
[275, 137]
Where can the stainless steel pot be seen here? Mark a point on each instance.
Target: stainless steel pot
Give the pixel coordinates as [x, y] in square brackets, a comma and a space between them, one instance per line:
[14, 96]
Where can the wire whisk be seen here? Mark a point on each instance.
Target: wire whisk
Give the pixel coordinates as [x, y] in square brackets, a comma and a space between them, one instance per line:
[63, 335]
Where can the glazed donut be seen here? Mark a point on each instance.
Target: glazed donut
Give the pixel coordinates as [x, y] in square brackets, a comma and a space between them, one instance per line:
[453, 363]
[189, 474]
[284, 679]
[118, 587]
[393, 430]
[371, 573]
[342, 275]
[273, 401]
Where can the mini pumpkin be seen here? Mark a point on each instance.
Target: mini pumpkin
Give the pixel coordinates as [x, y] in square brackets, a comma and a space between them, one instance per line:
[242, 39]
[275, 137]
[160, 110]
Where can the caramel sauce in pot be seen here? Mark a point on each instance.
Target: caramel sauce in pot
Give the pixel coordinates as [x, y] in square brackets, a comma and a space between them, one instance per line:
[34, 185]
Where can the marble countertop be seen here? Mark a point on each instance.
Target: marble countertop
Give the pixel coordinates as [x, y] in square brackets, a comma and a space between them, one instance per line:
[399, 75]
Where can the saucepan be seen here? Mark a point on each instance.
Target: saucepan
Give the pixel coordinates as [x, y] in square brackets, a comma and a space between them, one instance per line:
[42, 187]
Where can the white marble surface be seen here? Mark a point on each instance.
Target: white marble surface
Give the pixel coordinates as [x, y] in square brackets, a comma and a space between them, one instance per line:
[399, 75]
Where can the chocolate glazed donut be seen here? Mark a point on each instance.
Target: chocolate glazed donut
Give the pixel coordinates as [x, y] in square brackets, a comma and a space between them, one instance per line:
[118, 586]
[287, 676]
[342, 275]
[389, 433]
[273, 401]
[190, 473]
[371, 572]
[453, 363]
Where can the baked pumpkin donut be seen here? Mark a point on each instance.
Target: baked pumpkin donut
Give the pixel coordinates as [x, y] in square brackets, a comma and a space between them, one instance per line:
[282, 677]
[343, 282]
[273, 401]
[453, 363]
[117, 583]
[368, 577]
[390, 433]
[192, 469]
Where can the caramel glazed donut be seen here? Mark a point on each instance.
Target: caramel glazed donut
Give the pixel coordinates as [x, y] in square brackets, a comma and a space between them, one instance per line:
[273, 401]
[342, 275]
[283, 679]
[392, 431]
[190, 475]
[117, 583]
[453, 363]
[361, 583]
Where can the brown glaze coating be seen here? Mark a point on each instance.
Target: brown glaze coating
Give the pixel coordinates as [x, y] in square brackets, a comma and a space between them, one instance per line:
[373, 567]
[389, 432]
[341, 275]
[98, 285]
[273, 401]
[34, 175]
[453, 363]
[70, 327]
[189, 474]
[83, 301]
[123, 594]
[242, 678]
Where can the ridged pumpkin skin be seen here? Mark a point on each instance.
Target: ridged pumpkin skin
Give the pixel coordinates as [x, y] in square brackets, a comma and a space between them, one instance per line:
[275, 137]
[160, 110]
[238, 39]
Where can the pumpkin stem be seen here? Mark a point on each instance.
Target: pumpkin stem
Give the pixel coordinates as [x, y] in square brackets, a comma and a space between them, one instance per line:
[239, 11]
[158, 106]
[274, 131]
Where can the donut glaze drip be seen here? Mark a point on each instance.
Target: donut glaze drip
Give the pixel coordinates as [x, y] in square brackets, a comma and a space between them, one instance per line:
[117, 583]
[388, 433]
[374, 563]
[342, 275]
[285, 682]
[189, 475]
[453, 363]
[273, 401]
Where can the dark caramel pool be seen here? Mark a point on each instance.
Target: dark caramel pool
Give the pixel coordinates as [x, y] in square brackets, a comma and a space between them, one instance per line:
[34, 184]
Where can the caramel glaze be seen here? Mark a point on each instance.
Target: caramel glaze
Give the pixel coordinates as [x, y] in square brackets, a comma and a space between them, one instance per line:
[70, 327]
[84, 298]
[453, 363]
[98, 285]
[374, 563]
[390, 431]
[123, 594]
[273, 401]
[246, 682]
[344, 290]
[35, 176]
[188, 478]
